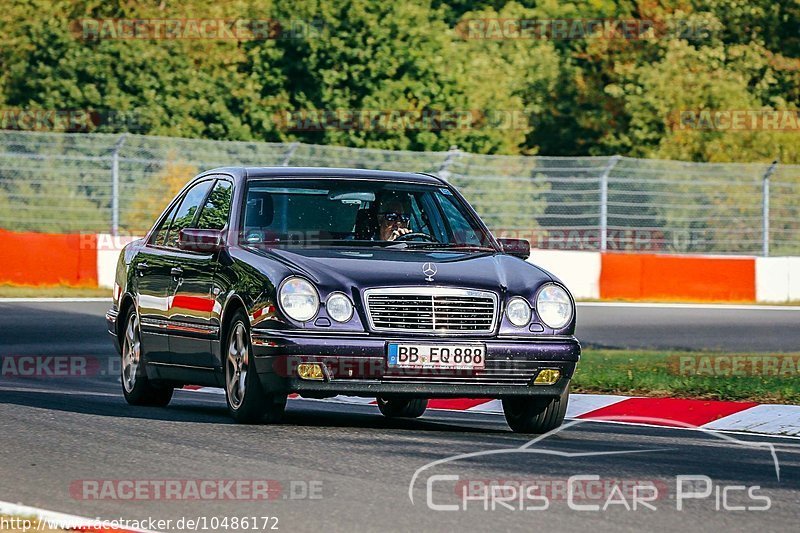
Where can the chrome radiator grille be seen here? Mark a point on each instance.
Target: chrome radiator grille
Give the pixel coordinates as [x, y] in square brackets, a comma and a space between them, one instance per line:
[431, 310]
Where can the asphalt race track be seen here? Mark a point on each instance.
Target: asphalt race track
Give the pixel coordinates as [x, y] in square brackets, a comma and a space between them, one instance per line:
[727, 328]
[345, 468]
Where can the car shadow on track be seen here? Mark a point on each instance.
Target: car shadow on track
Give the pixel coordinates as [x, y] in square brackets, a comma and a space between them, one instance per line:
[108, 405]
[190, 410]
[344, 416]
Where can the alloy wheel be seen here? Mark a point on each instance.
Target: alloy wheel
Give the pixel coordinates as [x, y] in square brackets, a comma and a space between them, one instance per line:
[237, 363]
[131, 353]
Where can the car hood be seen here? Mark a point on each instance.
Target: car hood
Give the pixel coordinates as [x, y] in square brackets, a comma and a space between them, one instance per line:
[346, 269]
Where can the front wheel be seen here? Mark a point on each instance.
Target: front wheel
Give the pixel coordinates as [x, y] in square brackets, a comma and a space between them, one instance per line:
[247, 401]
[402, 408]
[535, 414]
[137, 389]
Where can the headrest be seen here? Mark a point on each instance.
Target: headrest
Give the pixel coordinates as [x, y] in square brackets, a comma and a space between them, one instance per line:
[366, 225]
[259, 212]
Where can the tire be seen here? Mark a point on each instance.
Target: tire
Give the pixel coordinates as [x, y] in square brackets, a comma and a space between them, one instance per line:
[402, 407]
[535, 414]
[247, 401]
[136, 387]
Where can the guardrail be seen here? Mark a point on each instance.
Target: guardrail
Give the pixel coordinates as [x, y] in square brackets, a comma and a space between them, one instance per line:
[71, 183]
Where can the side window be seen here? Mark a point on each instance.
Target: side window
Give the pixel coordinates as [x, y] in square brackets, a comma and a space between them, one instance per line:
[433, 215]
[215, 211]
[187, 211]
[159, 237]
[419, 217]
[463, 231]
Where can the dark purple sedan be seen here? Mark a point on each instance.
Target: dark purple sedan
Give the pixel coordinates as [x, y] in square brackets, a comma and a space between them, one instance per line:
[273, 281]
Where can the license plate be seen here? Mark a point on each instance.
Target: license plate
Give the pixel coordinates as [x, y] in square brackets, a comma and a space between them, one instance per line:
[440, 356]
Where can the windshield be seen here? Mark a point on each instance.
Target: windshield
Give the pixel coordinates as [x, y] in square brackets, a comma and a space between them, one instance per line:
[310, 212]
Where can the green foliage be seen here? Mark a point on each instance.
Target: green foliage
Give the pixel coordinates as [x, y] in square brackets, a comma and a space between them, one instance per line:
[584, 96]
[21, 203]
[164, 186]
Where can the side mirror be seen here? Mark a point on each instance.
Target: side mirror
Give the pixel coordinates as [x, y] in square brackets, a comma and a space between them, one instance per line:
[516, 247]
[201, 240]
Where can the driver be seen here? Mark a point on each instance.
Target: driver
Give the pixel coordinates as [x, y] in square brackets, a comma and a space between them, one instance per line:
[394, 216]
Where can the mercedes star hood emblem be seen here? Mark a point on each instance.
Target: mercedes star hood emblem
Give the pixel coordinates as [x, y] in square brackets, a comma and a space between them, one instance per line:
[429, 269]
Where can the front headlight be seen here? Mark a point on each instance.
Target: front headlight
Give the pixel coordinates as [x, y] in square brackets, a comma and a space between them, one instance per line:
[518, 311]
[298, 299]
[554, 306]
[339, 307]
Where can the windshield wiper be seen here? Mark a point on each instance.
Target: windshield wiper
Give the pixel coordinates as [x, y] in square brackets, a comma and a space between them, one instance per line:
[446, 246]
[362, 243]
[353, 243]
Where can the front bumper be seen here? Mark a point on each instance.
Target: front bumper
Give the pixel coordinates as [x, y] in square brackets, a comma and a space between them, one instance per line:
[356, 365]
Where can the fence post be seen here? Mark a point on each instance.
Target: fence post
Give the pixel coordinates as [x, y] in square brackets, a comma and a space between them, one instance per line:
[604, 201]
[289, 153]
[765, 208]
[115, 185]
[444, 168]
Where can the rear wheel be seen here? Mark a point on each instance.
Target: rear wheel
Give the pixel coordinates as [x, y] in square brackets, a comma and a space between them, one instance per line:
[247, 401]
[535, 414]
[136, 387]
[402, 407]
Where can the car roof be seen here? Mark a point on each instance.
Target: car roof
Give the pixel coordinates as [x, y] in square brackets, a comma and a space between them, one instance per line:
[249, 173]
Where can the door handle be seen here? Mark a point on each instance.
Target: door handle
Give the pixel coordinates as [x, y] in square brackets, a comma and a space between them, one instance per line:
[176, 272]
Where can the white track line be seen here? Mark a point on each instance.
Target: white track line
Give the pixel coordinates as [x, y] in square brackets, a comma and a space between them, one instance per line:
[769, 419]
[703, 429]
[774, 421]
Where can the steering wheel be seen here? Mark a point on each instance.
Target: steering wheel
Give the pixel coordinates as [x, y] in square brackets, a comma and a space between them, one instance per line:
[415, 235]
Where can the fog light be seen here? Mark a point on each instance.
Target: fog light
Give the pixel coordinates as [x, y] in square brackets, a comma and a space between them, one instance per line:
[547, 376]
[310, 371]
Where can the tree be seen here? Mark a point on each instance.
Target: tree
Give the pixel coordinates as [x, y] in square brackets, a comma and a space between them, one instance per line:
[165, 185]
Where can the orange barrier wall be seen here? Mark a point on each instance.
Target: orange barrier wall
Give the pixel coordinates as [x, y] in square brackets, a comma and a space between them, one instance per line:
[48, 259]
[51, 259]
[648, 277]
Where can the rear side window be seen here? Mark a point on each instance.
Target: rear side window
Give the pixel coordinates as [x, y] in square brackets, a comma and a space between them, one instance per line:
[187, 211]
[215, 211]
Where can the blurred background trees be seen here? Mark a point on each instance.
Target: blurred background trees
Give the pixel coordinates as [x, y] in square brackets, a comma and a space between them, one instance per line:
[585, 96]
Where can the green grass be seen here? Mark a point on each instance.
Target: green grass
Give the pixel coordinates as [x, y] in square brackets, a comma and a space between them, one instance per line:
[58, 291]
[656, 373]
